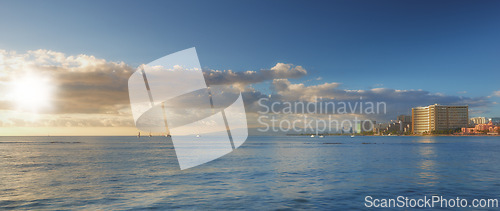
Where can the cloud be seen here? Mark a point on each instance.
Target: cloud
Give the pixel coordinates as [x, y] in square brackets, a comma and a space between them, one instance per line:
[85, 84]
[93, 92]
[397, 101]
[496, 93]
[289, 91]
[300, 91]
[66, 120]
[280, 70]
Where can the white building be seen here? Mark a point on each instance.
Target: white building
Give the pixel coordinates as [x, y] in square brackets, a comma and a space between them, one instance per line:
[479, 120]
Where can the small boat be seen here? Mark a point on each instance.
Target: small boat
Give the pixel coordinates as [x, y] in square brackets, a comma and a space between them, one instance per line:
[150, 135]
[197, 135]
[352, 136]
[312, 136]
[139, 135]
[321, 136]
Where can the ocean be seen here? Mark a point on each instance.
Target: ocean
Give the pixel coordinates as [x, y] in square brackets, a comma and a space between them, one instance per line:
[265, 173]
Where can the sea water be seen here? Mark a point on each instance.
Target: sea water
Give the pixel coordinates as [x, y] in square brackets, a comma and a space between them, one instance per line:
[297, 172]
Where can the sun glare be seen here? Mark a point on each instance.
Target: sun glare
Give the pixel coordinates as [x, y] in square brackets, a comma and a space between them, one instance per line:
[31, 93]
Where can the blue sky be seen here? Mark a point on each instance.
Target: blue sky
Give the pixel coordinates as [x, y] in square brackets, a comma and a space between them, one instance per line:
[448, 47]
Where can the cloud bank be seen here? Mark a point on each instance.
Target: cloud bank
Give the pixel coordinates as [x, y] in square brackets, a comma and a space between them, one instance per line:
[240, 79]
[85, 84]
[93, 92]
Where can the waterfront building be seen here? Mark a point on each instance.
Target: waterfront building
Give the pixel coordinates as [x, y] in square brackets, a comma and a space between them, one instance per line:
[489, 128]
[439, 117]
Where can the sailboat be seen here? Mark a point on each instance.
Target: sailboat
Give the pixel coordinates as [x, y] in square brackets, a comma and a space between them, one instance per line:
[317, 135]
[150, 134]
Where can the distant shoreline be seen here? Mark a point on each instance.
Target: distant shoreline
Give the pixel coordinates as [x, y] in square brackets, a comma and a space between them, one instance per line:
[455, 135]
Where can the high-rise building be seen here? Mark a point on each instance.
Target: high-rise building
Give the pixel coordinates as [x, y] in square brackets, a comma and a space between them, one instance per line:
[479, 120]
[405, 122]
[404, 118]
[439, 117]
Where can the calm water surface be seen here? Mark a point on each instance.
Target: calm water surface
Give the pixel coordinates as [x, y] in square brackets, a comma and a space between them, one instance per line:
[47, 173]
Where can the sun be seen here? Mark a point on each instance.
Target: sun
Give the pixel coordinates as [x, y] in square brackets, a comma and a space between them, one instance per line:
[31, 92]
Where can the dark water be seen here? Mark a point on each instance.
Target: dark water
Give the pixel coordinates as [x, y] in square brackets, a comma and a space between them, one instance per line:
[265, 173]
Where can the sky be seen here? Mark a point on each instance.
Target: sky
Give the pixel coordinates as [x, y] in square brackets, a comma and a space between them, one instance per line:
[408, 53]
